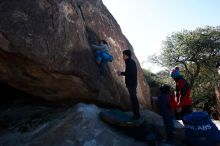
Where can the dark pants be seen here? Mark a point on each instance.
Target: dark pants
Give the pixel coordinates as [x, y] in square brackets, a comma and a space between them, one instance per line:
[134, 101]
[169, 126]
[185, 110]
[102, 67]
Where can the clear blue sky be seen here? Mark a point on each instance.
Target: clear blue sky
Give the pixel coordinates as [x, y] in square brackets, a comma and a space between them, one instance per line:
[146, 23]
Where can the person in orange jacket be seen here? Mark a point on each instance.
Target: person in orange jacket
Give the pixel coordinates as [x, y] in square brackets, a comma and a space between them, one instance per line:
[182, 95]
[217, 90]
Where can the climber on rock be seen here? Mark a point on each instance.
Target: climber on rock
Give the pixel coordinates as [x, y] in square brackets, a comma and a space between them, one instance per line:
[102, 55]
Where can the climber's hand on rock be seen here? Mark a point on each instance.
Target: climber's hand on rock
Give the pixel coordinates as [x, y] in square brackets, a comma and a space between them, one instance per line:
[119, 73]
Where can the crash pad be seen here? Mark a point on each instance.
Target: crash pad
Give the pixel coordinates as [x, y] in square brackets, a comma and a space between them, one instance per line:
[119, 118]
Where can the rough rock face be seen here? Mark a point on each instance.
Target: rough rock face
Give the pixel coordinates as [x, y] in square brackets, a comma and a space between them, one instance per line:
[45, 51]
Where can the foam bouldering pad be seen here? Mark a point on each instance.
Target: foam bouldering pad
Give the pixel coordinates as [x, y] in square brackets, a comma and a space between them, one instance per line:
[119, 118]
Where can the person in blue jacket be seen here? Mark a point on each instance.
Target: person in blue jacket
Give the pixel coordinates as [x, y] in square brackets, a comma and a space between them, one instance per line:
[102, 55]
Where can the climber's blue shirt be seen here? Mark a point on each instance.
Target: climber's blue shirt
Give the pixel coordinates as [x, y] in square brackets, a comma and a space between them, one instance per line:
[102, 54]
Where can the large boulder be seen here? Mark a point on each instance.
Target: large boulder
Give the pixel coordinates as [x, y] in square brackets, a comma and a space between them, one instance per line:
[45, 51]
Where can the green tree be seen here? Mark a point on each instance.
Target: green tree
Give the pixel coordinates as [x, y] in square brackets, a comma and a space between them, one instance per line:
[194, 51]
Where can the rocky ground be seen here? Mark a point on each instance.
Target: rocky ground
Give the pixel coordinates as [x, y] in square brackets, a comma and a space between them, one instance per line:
[31, 123]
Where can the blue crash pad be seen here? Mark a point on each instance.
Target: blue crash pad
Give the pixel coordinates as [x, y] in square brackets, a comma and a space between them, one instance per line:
[119, 118]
